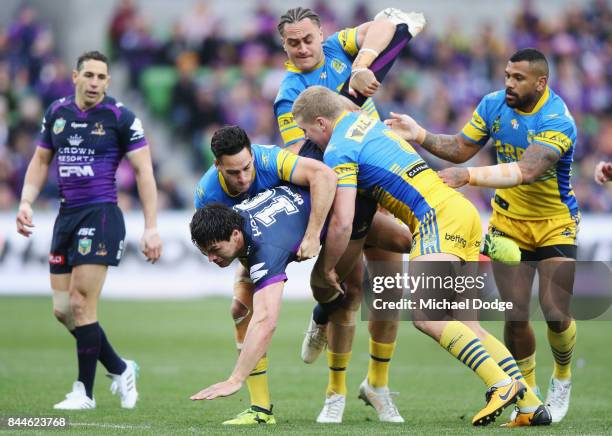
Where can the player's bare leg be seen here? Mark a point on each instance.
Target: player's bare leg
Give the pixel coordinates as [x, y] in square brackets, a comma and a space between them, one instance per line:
[60, 284]
[374, 389]
[260, 409]
[459, 340]
[556, 288]
[85, 285]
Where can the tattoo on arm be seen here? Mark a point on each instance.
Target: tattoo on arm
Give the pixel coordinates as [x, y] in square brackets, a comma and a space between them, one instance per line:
[446, 147]
[536, 161]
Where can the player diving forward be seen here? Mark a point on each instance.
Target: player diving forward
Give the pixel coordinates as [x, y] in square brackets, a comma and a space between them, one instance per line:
[241, 171]
[369, 157]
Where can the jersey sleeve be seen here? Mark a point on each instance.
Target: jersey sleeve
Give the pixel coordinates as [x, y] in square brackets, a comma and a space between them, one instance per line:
[131, 132]
[267, 265]
[44, 139]
[289, 130]
[345, 168]
[476, 129]
[274, 165]
[556, 133]
[205, 190]
[346, 39]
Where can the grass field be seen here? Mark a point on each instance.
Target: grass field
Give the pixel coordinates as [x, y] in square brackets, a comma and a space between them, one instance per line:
[183, 346]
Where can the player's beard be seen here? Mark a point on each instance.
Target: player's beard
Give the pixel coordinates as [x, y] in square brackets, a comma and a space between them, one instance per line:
[519, 102]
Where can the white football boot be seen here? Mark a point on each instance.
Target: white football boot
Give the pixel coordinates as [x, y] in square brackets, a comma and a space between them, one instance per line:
[333, 409]
[414, 20]
[380, 399]
[558, 398]
[125, 385]
[314, 341]
[77, 399]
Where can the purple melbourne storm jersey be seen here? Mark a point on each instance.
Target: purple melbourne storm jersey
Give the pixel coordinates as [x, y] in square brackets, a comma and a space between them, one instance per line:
[89, 146]
[275, 221]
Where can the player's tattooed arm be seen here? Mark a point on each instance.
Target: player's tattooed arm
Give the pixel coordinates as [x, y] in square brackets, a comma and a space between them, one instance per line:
[452, 148]
[536, 160]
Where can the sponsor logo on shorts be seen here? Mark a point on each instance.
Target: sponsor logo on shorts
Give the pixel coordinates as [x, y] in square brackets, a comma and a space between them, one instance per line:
[120, 251]
[457, 239]
[567, 232]
[501, 202]
[256, 272]
[101, 251]
[56, 259]
[496, 232]
[84, 246]
[417, 169]
[58, 126]
[86, 231]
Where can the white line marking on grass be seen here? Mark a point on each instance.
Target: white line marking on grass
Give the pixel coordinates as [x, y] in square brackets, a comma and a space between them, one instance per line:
[102, 425]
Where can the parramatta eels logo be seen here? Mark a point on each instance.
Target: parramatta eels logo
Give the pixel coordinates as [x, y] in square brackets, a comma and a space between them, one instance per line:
[496, 125]
[338, 66]
[58, 126]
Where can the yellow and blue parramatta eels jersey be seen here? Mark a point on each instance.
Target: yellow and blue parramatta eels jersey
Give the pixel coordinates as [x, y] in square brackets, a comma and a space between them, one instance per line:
[367, 155]
[549, 124]
[339, 50]
[272, 166]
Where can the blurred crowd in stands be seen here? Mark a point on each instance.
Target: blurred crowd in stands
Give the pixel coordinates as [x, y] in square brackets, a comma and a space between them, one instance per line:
[196, 76]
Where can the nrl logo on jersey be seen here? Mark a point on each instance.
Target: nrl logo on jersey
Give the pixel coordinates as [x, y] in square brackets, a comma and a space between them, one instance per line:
[338, 66]
[496, 125]
[58, 126]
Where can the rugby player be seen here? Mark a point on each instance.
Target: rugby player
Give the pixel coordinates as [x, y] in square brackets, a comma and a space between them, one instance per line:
[351, 62]
[534, 135]
[263, 233]
[241, 171]
[89, 133]
[369, 157]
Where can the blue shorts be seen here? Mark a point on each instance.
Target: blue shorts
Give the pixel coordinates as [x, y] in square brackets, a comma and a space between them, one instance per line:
[90, 234]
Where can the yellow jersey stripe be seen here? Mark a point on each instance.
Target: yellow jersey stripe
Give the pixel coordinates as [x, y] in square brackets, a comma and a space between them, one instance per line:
[554, 138]
[347, 174]
[286, 162]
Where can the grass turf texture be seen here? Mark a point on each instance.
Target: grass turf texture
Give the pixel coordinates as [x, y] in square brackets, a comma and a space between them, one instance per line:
[183, 346]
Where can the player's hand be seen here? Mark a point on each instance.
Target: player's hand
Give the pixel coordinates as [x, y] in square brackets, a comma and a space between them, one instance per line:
[603, 172]
[332, 280]
[309, 248]
[363, 82]
[24, 219]
[222, 389]
[455, 177]
[151, 245]
[404, 125]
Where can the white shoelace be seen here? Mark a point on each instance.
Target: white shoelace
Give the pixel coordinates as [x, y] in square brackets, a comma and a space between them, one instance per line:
[317, 337]
[387, 402]
[333, 406]
[559, 397]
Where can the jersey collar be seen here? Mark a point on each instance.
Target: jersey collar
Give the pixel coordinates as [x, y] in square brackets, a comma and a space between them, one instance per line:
[340, 118]
[543, 99]
[292, 68]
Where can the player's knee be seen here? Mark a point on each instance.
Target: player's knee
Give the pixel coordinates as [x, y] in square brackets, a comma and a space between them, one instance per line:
[239, 311]
[78, 304]
[343, 316]
[352, 298]
[517, 327]
[61, 308]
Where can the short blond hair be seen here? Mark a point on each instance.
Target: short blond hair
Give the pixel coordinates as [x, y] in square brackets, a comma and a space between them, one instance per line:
[318, 101]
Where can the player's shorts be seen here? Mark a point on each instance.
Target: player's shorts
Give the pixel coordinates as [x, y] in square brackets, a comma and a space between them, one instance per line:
[90, 234]
[539, 239]
[452, 227]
